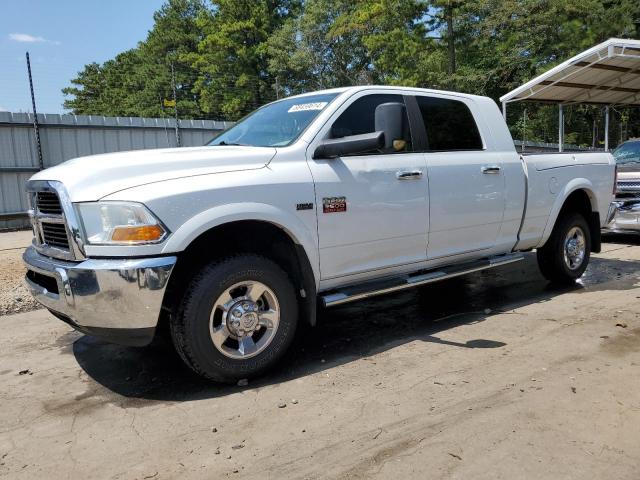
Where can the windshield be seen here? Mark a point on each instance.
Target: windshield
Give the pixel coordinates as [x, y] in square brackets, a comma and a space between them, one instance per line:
[627, 153]
[277, 124]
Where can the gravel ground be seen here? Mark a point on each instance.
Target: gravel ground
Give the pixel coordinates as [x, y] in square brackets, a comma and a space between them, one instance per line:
[14, 296]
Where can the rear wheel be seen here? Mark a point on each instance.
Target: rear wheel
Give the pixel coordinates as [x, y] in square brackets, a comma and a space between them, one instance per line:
[565, 256]
[237, 318]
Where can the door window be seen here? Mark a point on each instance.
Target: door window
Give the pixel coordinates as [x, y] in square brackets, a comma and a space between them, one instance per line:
[450, 125]
[359, 118]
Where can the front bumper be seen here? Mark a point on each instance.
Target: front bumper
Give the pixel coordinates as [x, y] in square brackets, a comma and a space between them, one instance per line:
[117, 299]
[626, 218]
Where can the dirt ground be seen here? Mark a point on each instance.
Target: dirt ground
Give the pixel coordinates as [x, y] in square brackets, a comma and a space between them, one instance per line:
[492, 375]
[14, 296]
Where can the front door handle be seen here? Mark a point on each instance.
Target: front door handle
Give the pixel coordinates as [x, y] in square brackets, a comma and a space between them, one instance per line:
[409, 175]
[490, 169]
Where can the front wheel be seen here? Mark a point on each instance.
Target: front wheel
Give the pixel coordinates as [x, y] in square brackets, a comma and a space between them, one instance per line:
[237, 318]
[565, 256]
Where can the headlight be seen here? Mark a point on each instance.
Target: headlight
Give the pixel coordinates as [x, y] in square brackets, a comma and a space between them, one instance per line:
[119, 223]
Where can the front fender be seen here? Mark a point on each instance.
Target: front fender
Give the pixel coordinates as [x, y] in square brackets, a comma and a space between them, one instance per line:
[233, 212]
[572, 186]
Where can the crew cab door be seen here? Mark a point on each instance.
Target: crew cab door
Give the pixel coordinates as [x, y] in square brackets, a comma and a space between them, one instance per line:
[372, 208]
[466, 180]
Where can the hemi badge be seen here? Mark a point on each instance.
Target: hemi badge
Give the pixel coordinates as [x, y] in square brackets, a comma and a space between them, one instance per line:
[334, 204]
[304, 206]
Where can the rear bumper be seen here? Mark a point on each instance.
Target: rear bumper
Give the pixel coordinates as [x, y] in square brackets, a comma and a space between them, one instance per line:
[626, 218]
[117, 299]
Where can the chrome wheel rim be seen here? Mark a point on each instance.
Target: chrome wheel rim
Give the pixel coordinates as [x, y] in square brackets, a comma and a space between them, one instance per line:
[244, 320]
[574, 248]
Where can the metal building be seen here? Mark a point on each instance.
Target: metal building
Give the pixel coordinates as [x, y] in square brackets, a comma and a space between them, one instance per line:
[69, 136]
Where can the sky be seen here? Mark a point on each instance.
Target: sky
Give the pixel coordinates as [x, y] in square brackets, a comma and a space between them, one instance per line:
[62, 36]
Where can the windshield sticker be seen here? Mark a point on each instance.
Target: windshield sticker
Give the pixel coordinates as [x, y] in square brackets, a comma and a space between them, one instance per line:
[305, 107]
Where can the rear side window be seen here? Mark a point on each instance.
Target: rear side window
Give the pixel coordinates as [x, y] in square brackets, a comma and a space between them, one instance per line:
[359, 118]
[449, 124]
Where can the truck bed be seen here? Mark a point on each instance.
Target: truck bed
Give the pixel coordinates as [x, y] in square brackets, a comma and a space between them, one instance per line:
[550, 178]
[544, 161]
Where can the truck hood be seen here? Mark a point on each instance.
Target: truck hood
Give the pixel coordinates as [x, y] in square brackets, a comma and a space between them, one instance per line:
[92, 178]
[628, 172]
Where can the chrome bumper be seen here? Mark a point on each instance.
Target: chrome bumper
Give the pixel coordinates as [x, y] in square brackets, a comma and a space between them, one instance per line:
[626, 217]
[119, 299]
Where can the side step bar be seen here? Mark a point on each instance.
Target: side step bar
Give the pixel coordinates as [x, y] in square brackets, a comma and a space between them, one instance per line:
[380, 287]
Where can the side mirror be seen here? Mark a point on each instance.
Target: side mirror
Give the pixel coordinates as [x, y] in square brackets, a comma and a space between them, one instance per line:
[389, 118]
[337, 147]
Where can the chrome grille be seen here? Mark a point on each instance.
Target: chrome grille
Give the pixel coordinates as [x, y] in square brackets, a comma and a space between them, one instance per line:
[53, 220]
[628, 185]
[627, 195]
[55, 235]
[49, 203]
[628, 189]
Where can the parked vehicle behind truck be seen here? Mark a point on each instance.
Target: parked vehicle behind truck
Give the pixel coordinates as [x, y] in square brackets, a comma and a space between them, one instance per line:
[322, 198]
[627, 157]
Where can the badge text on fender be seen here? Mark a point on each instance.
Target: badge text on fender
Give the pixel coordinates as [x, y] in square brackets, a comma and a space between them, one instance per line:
[334, 204]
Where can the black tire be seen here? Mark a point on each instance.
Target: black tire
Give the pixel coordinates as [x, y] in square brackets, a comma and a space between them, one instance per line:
[190, 327]
[551, 258]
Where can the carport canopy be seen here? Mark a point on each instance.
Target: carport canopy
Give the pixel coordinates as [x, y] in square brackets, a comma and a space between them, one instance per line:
[607, 74]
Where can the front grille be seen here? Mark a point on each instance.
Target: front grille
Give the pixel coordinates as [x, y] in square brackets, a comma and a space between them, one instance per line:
[49, 209]
[628, 189]
[629, 184]
[55, 235]
[627, 195]
[49, 203]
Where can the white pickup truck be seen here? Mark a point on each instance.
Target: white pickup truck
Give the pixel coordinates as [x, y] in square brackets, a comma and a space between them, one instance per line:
[314, 200]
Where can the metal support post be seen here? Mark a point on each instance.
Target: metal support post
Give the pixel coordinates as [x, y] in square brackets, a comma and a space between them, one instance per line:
[560, 128]
[606, 128]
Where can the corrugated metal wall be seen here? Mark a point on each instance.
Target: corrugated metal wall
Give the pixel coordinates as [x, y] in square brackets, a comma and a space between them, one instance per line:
[64, 137]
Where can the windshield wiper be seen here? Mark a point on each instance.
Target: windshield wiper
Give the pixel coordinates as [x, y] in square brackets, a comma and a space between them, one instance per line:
[225, 144]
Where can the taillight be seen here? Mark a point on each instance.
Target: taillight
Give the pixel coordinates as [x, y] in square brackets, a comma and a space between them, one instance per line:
[615, 180]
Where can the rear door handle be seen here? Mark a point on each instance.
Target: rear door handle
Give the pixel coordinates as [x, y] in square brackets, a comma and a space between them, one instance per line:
[490, 169]
[409, 175]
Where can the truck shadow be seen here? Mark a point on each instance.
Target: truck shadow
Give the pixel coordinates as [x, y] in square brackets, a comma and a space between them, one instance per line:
[352, 331]
[622, 238]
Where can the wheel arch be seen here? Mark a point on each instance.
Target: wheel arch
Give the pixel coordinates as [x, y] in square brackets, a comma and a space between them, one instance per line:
[259, 230]
[577, 196]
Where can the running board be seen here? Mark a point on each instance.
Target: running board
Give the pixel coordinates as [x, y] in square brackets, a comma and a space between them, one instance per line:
[380, 287]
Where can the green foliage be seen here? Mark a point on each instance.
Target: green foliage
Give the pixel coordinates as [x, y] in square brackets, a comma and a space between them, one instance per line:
[136, 82]
[231, 56]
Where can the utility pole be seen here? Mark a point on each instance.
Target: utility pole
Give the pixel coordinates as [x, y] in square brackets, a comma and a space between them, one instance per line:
[175, 104]
[277, 89]
[164, 117]
[451, 37]
[36, 128]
